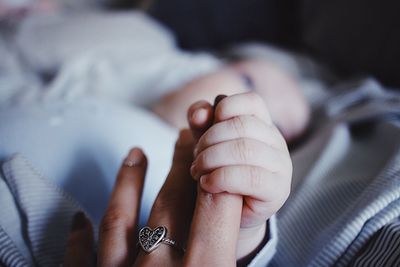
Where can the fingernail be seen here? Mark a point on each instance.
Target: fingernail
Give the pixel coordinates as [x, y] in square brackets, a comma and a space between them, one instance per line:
[79, 221]
[135, 158]
[199, 116]
[203, 179]
[218, 99]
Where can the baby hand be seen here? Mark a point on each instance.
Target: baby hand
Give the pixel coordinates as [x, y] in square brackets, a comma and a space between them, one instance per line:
[243, 153]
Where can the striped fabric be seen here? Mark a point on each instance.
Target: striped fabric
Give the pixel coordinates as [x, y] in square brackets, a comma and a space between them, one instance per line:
[383, 248]
[46, 210]
[346, 187]
[9, 253]
[344, 208]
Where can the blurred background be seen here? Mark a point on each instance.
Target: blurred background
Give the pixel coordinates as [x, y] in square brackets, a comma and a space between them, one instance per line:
[353, 38]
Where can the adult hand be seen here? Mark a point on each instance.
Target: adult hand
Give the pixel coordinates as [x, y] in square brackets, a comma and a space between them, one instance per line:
[213, 231]
[117, 238]
[173, 206]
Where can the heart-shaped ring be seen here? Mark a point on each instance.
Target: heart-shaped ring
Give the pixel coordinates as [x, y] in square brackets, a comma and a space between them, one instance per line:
[150, 239]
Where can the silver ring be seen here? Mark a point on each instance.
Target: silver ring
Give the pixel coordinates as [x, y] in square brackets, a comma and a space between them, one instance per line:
[150, 239]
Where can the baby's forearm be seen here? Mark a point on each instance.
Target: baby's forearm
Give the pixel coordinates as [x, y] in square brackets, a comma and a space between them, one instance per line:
[289, 110]
[173, 106]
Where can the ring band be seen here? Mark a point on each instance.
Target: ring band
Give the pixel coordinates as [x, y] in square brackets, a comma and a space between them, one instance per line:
[150, 239]
[168, 242]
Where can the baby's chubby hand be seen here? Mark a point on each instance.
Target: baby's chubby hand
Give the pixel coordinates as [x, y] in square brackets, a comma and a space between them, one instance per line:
[244, 153]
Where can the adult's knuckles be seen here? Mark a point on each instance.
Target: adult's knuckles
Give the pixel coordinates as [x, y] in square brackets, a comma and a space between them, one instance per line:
[167, 199]
[116, 220]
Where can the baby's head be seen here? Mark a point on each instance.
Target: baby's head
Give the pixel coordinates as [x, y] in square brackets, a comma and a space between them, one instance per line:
[282, 94]
[289, 110]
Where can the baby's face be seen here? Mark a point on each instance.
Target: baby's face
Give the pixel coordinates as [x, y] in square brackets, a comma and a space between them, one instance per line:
[282, 94]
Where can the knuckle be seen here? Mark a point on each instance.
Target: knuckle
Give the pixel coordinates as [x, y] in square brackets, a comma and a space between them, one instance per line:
[208, 137]
[114, 220]
[240, 125]
[203, 159]
[161, 204]
[242, 150]
[167, 198]
[164, 200]
[219, 178]
[255, 178]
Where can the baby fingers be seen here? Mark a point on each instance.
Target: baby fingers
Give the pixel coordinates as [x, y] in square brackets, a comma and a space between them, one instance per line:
[242, 104]
[245, 180]
[243, 151]
[246, 126]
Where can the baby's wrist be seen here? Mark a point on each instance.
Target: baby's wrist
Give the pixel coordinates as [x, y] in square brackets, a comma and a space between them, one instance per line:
[249, 240]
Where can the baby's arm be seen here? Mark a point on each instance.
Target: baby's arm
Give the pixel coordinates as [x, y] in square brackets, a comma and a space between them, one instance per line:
[243, 153]
[288, 108]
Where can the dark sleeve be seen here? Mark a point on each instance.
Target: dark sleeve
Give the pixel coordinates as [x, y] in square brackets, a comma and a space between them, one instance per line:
[383, 249]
